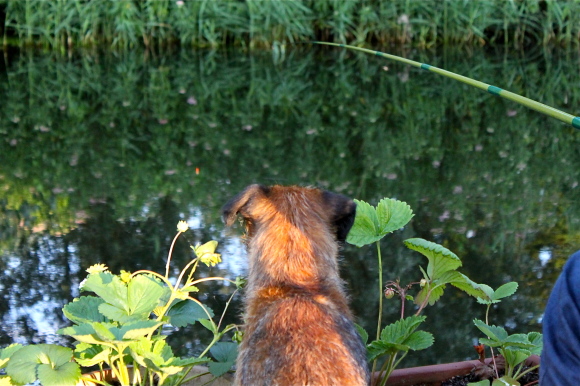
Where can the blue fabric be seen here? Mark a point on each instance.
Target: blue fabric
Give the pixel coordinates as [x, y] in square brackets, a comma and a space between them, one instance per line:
[561, 328]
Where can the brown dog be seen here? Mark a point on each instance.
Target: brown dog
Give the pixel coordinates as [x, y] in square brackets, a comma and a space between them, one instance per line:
[298, 328]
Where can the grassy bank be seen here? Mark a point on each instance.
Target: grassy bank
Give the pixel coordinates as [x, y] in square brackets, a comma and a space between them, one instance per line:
[58, 24]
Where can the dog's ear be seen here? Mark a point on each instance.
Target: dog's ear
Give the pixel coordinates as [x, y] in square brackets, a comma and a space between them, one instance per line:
[343, 211]
[236, 205]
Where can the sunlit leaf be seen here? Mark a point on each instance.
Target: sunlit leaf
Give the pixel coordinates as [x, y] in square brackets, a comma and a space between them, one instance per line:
[138, 329]
[51, 364]
[208, 247]
[108, 287]
[83, 333]
[91, 354]
[141, 297]
[5, 380]
[84, 310]
[66, 374]
[7, 352]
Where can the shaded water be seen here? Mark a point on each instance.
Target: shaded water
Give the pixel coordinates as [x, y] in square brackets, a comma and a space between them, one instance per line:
[101, 155]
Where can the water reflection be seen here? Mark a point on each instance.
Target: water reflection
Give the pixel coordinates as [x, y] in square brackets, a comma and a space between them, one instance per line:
[101, 155]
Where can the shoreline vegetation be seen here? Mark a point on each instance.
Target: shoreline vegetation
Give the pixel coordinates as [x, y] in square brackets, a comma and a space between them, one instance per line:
[67, 24]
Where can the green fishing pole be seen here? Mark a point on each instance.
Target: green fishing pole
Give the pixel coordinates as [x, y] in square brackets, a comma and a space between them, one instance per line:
[532, 104]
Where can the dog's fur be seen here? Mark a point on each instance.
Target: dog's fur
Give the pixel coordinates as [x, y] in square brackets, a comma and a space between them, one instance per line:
[298, 327]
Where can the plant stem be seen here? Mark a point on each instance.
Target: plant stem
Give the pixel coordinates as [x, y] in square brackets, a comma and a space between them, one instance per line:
[90, 380]
[382, 371]
[491, 348]
[169, 255]
[226, 308]
[379, 322]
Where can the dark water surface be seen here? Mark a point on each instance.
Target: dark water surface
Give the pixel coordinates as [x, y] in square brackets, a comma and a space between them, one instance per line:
[102, 154]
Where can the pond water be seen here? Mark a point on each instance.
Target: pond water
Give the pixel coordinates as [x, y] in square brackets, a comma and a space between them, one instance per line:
[102, 154]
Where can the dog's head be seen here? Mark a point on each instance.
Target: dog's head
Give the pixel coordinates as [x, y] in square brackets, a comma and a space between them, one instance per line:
[256, 203]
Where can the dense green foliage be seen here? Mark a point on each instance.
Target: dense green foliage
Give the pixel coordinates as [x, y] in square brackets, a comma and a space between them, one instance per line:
[249, 23]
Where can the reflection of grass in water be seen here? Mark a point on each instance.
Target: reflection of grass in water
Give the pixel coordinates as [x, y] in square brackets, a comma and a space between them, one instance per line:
[125, 24]
[94, 128]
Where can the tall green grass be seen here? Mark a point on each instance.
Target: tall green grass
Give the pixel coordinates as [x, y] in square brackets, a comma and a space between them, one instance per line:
[123, 24]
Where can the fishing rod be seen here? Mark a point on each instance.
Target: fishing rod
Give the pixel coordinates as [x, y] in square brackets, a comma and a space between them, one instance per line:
[532, 104]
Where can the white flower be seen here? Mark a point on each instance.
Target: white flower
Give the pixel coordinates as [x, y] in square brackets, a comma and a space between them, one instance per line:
[182, 226]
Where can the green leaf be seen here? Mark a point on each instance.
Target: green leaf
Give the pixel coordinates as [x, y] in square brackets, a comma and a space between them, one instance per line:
[154, 355]
[225, 354]
[142, 295]
[363, 334]
[136, 330]
[106, 331]
[393, 215]
[108, 287]
[372, 224]
[485, 382]
[488, 292]
[520, 340]
[440, 258]
[64, 375]
[88, 355]
[503, 291]
[490, 342]
[209, 324]
[434, 295]
[50, 363]
[399, 331]
[365, 228]
[84, 310]
[508, 289]
[83, 333]
[436, 288]
[419, 340]
[536, 339]
[240, 282]
[514, 357]
[189, 361]
[468, 286]
[208, 247]
[497, 334]
[379, 348]
[505, 381]
[186, 312]
[224, 351]
[7, 352]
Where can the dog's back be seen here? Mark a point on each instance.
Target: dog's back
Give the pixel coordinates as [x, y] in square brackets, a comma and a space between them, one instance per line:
[298, 328]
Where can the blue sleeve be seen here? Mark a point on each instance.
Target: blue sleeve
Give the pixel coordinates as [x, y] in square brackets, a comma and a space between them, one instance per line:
[560, 361]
